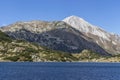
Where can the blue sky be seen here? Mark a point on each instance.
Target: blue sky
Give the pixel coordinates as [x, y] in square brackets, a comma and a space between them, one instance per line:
[103, 13]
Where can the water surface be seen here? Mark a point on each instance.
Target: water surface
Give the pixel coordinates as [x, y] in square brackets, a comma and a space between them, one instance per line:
[59, 71]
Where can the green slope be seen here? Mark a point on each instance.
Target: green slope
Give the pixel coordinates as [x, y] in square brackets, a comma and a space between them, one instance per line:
[20, 50]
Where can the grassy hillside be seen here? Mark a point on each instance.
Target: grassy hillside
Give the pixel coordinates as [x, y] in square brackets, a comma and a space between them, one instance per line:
[4, 37]
[89, 56]
[20, 50]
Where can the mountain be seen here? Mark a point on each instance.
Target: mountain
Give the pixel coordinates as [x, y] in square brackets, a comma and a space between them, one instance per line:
[56, 35]
[58, 41]
[71, 35]
[109, 42]
[20, 50]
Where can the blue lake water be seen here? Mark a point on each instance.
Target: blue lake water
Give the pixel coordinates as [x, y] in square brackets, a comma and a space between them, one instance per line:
[59, 71]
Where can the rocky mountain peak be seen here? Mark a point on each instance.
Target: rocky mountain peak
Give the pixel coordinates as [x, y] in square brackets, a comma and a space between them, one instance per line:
[74, 18]
[77, 22]
[85, 27]
[73, 35]
[100, 36]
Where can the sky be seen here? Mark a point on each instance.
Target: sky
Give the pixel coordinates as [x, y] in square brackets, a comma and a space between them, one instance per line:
[102, 13]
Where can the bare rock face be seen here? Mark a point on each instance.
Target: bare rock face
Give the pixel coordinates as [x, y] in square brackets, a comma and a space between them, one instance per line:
[109, 42]
[72, 35]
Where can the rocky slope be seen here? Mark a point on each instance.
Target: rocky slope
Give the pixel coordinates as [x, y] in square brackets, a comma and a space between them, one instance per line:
[109, 42]
[56, 35]
[20, 50]
[72, 35]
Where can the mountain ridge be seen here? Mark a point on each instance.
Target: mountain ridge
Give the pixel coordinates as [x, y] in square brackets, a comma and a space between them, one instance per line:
[52, 35]
[86, 28]
[20, 50]
[83, 25]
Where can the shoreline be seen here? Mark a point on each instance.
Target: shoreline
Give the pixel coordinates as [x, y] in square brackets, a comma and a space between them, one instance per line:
[54, 62]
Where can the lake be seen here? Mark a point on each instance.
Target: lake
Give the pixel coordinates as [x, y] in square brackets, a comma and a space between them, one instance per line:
[59, 71]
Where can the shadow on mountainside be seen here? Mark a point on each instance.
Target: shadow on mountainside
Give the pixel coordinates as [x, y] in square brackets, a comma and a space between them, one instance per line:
[63, 39]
